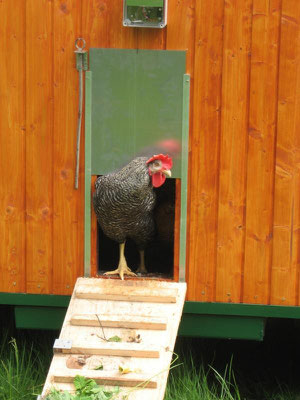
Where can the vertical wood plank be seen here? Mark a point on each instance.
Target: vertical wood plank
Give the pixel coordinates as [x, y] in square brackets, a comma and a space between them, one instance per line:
[233, 149]
[261, 150]
[67, 236]
[102, 25]
[180, 34]
[204, 145]
[151, 38]
[286, 250]
[180, 30]
[12, 146]
[39, 145]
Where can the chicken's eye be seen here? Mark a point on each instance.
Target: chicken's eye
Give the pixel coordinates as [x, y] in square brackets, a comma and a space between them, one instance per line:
[157, 164]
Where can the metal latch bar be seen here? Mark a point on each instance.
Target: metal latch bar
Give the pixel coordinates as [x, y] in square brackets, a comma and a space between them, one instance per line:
[81, 65]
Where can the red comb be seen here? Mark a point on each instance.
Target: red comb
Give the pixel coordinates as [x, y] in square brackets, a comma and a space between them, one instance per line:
[165, 159]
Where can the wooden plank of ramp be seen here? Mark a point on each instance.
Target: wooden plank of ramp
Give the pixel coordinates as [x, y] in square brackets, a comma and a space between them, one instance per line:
[118, 292]
[119, 325]
[102, 378]
[113, 349]
[120, 321]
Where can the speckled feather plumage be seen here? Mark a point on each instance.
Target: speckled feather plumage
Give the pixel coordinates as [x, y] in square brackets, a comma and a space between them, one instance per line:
[124, 201]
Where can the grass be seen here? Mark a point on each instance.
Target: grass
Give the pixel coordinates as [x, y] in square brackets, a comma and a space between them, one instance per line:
[23, 369]
[209, 370]
[18, 377]
[190, 383]
[24, 359]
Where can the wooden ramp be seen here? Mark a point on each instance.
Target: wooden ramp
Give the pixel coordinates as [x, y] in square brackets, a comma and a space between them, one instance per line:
[143, 314]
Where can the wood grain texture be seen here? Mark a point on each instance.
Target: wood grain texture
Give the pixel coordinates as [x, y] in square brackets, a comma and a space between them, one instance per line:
[67, 375]
[114, 349]
[148, 38]
[180, 31]
[204, 156]
[233, 149]
[67, 238]
[12, 146]
[126, 321]
[286, 251]
[102, 25]
[121, 293]
[261, 150]
[39, 146]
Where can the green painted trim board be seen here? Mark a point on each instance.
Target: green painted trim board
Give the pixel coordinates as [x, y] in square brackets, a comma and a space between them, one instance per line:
[145, 3]
[243, 310]
[221, 326]
[88, 171]
[27, 299]
[184, 175]
[39, 317]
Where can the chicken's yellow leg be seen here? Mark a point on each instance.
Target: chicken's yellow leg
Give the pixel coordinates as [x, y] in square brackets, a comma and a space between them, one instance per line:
[123, 268]
[142, 268]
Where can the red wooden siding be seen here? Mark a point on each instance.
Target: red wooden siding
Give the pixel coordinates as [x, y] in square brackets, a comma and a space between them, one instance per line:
[244, 177]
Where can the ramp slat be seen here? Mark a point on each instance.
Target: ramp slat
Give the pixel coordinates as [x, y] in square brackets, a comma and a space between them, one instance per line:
[103, 378]
[114, 349]
[120, 321]
[143, 294]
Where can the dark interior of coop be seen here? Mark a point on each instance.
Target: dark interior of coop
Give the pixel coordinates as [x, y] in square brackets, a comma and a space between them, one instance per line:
[159, 253]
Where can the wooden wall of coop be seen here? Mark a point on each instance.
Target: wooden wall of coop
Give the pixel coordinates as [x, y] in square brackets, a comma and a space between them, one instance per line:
[243, 56]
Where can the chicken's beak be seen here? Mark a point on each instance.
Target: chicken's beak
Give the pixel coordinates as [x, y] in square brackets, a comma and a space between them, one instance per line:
[167, 172]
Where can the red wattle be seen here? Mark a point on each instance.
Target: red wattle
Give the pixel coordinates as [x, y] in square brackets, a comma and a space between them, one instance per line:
[158, 179]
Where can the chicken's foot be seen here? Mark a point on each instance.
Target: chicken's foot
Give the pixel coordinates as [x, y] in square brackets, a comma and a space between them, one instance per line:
[123, 268]
[142, 268]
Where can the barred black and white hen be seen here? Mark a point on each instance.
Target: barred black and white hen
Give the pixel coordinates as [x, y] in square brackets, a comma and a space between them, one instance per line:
[124, 202]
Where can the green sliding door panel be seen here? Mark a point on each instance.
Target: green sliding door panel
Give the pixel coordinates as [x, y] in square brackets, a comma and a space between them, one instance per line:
[137, 102]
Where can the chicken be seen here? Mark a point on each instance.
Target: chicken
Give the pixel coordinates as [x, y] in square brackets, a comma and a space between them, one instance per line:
[124, 201]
